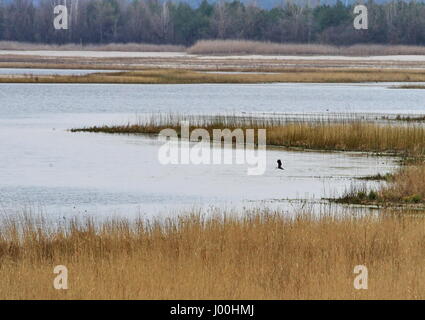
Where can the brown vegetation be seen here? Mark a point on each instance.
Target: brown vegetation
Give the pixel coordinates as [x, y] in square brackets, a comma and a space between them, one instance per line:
[241, 47]
[262, 255]
[173, 76]
[411, 86]
[407, 185]
[322, 135]
[405, 188]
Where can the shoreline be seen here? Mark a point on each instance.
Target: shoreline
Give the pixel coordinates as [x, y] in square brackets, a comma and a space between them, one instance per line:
[121, 60]
[194, 76]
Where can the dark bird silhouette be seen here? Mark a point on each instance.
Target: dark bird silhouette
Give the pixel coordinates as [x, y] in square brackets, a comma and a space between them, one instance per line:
[279, 165]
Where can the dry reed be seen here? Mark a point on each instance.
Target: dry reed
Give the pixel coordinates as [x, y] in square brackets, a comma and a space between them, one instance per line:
[241, 47]
[407, 185]
[228, 47]
[187, 76]
[355, 135]
[263, 255]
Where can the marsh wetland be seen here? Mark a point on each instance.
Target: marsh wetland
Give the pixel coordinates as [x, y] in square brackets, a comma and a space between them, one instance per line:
[84, 158]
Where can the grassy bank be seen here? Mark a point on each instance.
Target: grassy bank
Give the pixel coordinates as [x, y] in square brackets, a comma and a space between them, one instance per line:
[260, 256]
[187, 76]
[408, 140]
[405, 187]
[240, 47]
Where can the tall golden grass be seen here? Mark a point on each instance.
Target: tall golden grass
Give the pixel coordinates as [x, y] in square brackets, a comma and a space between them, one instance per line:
[263, 255]
[408, 139]
[228, 47]
[357, 136]
[241, 47]
[407, 185]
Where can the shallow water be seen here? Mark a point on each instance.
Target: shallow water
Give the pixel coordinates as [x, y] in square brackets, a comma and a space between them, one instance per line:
[42, 165]
[29, 99]
[123, 54]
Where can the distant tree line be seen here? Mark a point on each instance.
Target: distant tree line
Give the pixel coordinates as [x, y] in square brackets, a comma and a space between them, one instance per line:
[153, 21]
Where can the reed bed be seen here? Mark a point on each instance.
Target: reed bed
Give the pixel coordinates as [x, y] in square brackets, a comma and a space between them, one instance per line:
[242, 47]
[358, 136]
[404, 187]
[344, 135]
[263, 255]
[407, 185]
[188, 76]
[126, 47]
[227, 47]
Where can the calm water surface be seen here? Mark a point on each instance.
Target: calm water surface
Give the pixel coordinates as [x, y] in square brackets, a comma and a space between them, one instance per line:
[42, 165]
[30, 99]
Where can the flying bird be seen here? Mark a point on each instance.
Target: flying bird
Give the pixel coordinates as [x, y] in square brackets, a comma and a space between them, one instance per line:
[279, 165]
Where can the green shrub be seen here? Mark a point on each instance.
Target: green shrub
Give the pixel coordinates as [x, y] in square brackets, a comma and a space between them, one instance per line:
[414, 198]
[361, 195]
[372, 195]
